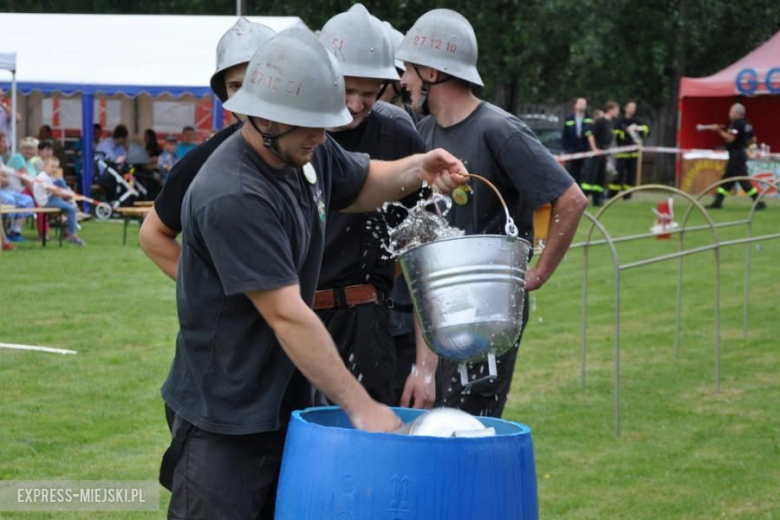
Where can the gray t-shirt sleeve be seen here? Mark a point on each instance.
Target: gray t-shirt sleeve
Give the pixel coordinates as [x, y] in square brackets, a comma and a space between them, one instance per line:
[348, 174]
[248, 243]
[535, 173]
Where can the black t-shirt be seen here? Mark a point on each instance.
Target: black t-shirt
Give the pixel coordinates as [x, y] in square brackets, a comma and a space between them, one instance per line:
[743, 134]
[353, 252]
[248, 227]
[602, 133]
[623, 137]
[168, 202]
[499, 146]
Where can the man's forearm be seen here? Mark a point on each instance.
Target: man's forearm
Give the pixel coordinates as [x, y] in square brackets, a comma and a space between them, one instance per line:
[388, 181]
[426, 360]
[159, 243]
[309, 346]
[565, 217]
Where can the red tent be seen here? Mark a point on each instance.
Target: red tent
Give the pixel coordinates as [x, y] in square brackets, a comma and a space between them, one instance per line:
[753, 81]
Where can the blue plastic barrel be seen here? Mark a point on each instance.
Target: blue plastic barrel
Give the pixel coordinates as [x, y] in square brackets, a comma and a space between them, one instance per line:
[330, 471]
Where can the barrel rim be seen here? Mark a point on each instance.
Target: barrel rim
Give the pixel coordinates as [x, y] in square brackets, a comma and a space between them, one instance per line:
[522, 429]
[465, 237]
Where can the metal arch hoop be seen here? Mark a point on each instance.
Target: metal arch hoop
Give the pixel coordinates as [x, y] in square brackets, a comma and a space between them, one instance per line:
[749, 224]
[715, 247]
[616, 265]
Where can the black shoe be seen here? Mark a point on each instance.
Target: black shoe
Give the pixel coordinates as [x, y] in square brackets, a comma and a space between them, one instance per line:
[761, 205]
[627, 196]
[715, 205]
[611, 194]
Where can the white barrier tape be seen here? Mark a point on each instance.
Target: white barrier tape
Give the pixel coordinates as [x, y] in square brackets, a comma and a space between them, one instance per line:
[39, 349]
[608, 151]
[648, 149]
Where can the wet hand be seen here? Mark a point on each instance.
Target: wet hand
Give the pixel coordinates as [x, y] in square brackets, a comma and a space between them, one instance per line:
[443, 171]
[419, 391]
[375, 417]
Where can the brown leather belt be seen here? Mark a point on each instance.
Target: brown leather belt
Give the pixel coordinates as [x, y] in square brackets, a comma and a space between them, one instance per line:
[346, 297]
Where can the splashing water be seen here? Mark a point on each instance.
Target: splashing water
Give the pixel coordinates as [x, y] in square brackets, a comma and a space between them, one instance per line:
[420, 226]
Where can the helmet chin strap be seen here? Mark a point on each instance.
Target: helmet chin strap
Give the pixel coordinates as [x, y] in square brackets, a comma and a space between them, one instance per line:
[426, 89]
[398, 92]
[270, 141]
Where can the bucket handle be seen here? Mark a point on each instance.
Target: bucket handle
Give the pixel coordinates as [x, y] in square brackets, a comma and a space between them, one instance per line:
[509, 228]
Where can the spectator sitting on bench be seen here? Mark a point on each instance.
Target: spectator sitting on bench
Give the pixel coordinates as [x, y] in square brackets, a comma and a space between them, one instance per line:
[168, 158]
[187, 141]
[12, 188]
[49, 195]
[45, 150]
[28, 147]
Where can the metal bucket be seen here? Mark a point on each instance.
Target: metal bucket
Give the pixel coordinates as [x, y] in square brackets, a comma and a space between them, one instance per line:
[468, 292]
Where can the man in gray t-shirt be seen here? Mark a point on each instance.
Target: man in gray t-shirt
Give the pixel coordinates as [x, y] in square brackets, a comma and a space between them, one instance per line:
[254, 220]
[440, 52]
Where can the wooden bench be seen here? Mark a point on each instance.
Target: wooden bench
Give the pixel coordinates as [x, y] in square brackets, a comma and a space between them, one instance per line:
[128, 214]
[46, 213]
[143, 203]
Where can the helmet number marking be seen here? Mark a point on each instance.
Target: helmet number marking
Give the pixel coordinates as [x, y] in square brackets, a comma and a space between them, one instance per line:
[435, 43]
[273, 83]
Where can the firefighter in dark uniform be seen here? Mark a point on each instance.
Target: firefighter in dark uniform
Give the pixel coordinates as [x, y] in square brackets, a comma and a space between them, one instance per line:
[629, 130]
[738, 137]
[574, 137]
[595, 173]
[357, 276]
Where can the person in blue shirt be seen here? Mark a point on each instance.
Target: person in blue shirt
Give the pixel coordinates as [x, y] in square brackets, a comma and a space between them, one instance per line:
[167, 159]
[186, 144]
[114, 148]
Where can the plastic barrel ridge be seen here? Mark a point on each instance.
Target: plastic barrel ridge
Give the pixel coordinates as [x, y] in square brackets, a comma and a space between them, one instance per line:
[331, 471]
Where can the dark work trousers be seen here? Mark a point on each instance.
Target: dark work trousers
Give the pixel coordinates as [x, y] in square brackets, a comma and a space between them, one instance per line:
[736, 168]
[594, 176]
[626, 172]
[226, 477]
[575, 169]
[362, 337]
[484, 398]
[406, 356]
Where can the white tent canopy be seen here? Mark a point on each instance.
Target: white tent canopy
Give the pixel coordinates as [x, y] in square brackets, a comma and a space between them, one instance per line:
[127, 54]
[116, 54]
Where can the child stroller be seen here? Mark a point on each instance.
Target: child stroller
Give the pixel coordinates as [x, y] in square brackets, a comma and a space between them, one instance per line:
[118, 182]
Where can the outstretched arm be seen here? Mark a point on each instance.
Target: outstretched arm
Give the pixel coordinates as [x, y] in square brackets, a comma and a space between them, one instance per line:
[393, 180]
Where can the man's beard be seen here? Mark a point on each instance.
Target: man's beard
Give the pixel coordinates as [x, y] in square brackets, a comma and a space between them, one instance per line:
[291, 160]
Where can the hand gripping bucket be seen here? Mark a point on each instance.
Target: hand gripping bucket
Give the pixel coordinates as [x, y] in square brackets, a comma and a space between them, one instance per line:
[468, 292]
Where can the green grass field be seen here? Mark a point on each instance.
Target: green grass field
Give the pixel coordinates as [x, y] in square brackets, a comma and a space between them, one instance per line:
[684, 452]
